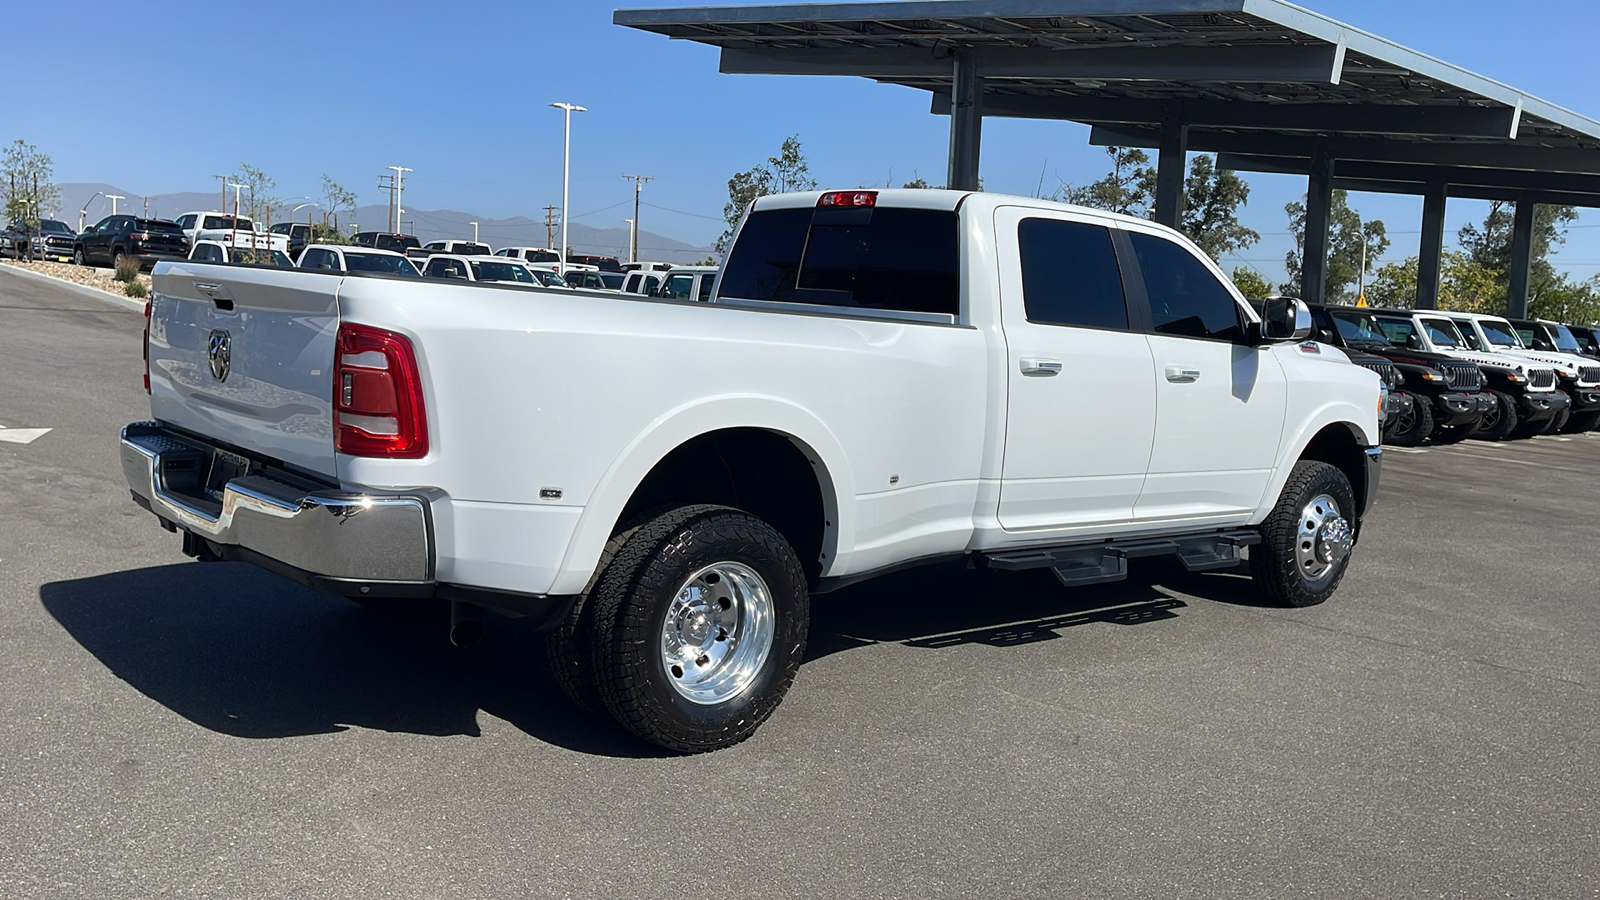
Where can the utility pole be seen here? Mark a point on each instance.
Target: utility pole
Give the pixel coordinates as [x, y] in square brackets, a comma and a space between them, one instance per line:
[386, 182]
[549, 225]
[399, 192]
[114, 198]
[633, 239]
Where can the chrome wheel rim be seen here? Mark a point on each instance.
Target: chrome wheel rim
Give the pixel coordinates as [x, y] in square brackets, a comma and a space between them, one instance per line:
[1323, 541]
[717, 633]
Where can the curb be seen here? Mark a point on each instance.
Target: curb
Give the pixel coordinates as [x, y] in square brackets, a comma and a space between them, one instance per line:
[127, 303]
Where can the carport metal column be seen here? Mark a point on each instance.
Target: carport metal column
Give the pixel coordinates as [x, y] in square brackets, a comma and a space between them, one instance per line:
[1521, 257]
[1319, 207]
[1171, 164]
[966, 122]
[1431, 253]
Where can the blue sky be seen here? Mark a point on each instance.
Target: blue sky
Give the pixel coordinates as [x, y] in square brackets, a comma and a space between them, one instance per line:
[459, 94]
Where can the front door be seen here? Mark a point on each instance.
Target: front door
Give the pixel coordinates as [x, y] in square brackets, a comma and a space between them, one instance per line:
[1220, 401]
[1080, 413]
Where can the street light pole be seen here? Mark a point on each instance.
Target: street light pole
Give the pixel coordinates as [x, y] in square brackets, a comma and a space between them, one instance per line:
[632, 254]
[114, 198]
[474, 232]
[566, 168]
[82, 213]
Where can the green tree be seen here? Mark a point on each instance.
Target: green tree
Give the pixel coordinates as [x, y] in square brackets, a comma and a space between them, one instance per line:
[1489, 245]
[918, 182]
[1251, 283]
[335, 199]
[258, 191]
[1394, 285]
[1129, 188]
[1211, 201]
[1347, 233]
[26, 186]
[778, 175]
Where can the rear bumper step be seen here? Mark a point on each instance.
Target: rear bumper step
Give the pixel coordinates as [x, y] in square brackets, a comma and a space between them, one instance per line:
[1108, 561]
[377, 544]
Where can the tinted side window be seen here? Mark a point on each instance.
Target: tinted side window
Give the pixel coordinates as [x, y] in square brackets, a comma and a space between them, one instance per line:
[706, 281]
[1070, 274]
[880, 258]
[1185, 298]
[317, 259]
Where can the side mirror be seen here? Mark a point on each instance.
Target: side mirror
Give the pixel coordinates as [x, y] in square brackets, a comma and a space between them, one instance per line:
[1285, 319]
[1413, 342]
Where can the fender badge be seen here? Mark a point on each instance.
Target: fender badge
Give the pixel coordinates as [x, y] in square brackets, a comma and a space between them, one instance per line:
[1310, 347]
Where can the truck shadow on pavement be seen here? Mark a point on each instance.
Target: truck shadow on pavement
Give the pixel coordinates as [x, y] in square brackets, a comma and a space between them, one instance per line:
[245, 653]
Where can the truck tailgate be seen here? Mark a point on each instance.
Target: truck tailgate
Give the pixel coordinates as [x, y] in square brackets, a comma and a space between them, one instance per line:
[244, 356]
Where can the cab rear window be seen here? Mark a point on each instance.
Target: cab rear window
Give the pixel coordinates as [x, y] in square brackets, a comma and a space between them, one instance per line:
[906, 260]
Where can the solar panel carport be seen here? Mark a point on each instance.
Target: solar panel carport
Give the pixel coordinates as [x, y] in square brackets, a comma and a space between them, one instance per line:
[1267, 85]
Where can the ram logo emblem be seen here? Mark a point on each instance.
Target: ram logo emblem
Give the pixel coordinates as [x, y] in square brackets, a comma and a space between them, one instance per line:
[219, 350]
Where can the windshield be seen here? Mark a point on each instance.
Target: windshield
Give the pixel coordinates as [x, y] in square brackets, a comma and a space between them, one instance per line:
[612, 280]
[51, 226]
[1566, 341]
[228, 222]
[1501, 334]
[1443, 333]
[1529, 337]
[1358, 328]
[499, 271]
[377, 262]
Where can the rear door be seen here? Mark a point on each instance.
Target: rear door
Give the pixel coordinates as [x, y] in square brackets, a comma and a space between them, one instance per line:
[1081, 398]
[1220, 402]
[245, 357]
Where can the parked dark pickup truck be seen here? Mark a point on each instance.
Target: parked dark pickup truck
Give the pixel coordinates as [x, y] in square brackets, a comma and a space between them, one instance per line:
[52, 240]
[146, 240]
[1449, 400]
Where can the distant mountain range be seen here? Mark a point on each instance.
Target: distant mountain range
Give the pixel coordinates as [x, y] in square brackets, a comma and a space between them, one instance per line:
[427, 224]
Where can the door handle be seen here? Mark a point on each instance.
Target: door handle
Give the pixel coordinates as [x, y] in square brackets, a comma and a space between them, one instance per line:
[1040, 367]
[1182, 374]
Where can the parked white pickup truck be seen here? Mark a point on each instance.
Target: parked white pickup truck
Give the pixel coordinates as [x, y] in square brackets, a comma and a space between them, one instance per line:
[883, 378]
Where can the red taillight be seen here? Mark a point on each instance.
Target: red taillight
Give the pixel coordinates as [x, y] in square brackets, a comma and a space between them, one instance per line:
[147, 346]
[848, 198]
[377, 395]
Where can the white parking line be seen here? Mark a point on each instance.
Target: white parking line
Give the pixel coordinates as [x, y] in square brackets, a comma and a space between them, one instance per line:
[21, 435]
[1404, 450]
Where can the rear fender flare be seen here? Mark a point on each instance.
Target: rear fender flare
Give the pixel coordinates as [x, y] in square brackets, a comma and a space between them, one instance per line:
[691, 420]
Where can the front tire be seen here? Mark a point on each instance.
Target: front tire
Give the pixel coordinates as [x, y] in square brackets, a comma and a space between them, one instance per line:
[78, 258]
[1499, 422]
[698, 626]
[1412, 428]
[1307, 538]
[1579, 422]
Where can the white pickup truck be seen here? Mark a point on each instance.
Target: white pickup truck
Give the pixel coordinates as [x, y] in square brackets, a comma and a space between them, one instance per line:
[882, 379]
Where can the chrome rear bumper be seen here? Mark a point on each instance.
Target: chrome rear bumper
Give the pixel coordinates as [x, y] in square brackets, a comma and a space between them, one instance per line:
[377, 544]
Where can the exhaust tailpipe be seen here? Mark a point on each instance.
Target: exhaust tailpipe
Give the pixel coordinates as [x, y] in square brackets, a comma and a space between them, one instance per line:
[466, 623]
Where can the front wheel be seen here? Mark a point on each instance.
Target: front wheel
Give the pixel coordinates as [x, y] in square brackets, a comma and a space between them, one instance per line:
[1307, 538]
[1501, 420]
[699, 623]
[1580, 422]
[78, 258]
[1412, 427]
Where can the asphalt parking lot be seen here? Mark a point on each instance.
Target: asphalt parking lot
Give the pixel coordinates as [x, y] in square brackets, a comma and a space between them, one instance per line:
[179, 729]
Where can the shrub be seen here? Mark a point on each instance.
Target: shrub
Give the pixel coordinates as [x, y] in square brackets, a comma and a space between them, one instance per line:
[127, 270]
[136, 289]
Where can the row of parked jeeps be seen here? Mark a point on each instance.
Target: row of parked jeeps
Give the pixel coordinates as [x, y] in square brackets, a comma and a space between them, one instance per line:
[1455, 375]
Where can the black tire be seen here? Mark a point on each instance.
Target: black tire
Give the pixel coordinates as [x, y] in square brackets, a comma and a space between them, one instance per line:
[116, 258]
[1500, 421]
[1579, 422]
[1453, 434]
[78, 259]
[1274, 563]
[567, 646]
[1556, 422]
[631, 602]
[1412, 428]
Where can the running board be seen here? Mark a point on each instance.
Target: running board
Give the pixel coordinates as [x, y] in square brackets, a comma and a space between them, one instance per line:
[1108, 561]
